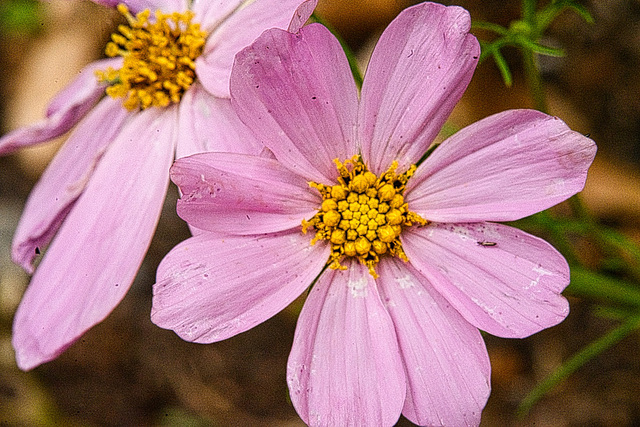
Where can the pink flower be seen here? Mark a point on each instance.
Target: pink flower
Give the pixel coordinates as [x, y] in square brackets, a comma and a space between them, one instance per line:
[102, 194]
[404, 264]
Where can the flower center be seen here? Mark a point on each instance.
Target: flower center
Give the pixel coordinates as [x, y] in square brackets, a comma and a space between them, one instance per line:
[159, 58]
[363, 215]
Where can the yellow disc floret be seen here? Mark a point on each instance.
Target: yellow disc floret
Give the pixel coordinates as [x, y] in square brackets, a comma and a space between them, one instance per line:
[159, 58]
[363, 215]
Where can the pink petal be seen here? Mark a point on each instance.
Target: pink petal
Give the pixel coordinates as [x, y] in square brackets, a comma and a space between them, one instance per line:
[238, 30]
[94, 257]
[302, 15]
[211, 287]
[136, 6]
[445, 359]
[65, 179]
[239, 194]
[211, 13]
[65, 110]
[345, 368]
[509, 289]
[419, 69]
[502, 168]
[295, 91]
[110, 3]
[207, 123]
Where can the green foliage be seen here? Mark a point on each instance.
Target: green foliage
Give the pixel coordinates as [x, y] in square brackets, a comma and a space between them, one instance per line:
[525, 34]
[612, 282]
[19, 17]
[590, 351]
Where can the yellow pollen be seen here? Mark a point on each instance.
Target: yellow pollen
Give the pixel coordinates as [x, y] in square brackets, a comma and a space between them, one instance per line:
[159, 58]
[363, 215]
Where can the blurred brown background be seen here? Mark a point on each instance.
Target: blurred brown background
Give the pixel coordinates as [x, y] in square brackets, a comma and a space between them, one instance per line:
[126, 371]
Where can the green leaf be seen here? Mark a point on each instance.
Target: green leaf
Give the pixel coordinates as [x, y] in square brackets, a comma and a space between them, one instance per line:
[504, 68]
[486, 50]
[603, 289]
[489, 26]
[549, 13]
[538, 48]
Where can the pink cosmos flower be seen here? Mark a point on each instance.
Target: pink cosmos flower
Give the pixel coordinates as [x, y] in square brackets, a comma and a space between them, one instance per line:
[102, 194]
[406, 264]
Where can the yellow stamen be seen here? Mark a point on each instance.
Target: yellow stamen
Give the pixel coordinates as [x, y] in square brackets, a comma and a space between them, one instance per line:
[363, 215]
[159, 58]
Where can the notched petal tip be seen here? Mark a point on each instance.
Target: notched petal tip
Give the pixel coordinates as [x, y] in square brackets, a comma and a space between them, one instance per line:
[502, 168]
[425, 40]
[211, 287]
[510, 289]
[579, 153]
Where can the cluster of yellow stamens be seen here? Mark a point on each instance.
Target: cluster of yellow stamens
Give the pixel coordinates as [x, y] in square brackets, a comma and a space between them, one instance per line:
[363, 215]
[159, 58]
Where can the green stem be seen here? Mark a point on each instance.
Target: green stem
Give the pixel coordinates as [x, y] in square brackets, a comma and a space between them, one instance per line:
[534, 80]
[579, 359]
[529, 11]
[626, 245]
[609, 239]
[559, 236]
